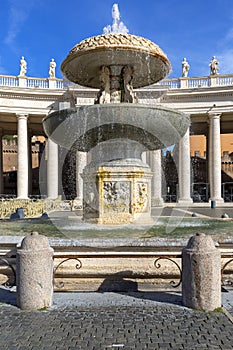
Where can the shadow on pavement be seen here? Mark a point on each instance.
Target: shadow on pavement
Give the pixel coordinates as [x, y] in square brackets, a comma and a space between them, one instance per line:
[120, 283]
[162, 297]
[7, 296]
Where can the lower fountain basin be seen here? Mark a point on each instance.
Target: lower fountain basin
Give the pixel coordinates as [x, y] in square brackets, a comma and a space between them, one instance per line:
[84, 127]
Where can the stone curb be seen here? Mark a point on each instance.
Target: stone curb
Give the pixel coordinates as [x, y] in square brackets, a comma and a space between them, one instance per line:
[227, 314]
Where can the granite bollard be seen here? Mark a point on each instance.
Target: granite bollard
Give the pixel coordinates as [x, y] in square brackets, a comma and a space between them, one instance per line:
[34, 273]
[201, 274]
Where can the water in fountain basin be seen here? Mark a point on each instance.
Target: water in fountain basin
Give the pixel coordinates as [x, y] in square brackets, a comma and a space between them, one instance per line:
[69, 225]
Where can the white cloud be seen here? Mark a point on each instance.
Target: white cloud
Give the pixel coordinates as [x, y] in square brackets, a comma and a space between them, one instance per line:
[225, 53]
[226, 62]
[19, 13]
[229, 36]
[2, 68]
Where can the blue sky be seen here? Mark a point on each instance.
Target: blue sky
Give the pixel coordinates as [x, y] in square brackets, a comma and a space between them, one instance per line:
[45, 29]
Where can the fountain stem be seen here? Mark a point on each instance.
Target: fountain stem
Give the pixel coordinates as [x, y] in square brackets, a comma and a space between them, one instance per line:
[116, 85]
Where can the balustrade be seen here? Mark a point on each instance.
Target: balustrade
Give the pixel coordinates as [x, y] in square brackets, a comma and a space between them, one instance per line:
[59, 84]
[170, 83]
[37, 83]
[7, 80]
[199, 82]
[225, 80]
[174, 83]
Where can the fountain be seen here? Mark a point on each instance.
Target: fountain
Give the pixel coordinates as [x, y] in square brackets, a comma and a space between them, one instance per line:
[116, 129]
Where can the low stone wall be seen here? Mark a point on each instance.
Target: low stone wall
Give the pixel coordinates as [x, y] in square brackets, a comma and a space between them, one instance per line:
[108, 264]
[123, 264]
[33, 207]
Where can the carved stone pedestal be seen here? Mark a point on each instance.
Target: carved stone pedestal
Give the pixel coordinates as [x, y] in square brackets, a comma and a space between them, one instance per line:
[117, 192]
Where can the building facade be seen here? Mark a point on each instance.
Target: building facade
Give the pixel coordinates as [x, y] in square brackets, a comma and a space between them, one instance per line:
[198, 169]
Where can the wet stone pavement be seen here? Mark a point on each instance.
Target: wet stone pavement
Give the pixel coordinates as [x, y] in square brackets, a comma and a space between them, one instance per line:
[93, 321]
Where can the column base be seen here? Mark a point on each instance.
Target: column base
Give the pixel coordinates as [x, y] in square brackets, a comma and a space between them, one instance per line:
[157, 202]
[216, 202]
[22, 197]
[185, 202]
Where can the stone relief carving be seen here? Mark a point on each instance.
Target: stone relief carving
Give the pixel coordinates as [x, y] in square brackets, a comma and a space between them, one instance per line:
[117, 196]
[103, 95]
[116, 83]
[113, 219]
[128, 93]
[116, 39]
[141, 202]
[116, 87]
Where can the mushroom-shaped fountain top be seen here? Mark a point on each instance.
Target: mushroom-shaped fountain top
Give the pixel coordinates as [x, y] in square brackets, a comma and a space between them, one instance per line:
[84, 61]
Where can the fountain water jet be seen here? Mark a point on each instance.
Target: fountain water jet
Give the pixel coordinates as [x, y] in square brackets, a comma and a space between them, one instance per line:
[116, 129]
[117, 26]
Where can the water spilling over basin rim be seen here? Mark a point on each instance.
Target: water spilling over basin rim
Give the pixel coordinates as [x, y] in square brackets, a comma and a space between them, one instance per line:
[84, 61]
[153, 126]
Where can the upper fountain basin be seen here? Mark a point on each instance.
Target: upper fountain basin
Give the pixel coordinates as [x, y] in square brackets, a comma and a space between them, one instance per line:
[153, 126]
[84, 61]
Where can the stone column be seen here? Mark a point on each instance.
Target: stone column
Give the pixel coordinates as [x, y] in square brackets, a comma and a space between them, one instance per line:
[34, 273]
[1, 164]
[81, 162]
[29, 162]
[156, 183]
[52, 170]
[144, 157]
[201, 274]
[215, 165]
[22, 173]
[207, 161]
[184, 170]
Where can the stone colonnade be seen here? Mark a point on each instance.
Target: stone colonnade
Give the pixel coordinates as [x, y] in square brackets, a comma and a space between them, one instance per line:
[153, 158]
[52, 169]
[184, 166]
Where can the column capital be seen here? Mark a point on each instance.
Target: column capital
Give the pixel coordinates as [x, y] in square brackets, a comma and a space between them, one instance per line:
[22, 115]
[215, 115]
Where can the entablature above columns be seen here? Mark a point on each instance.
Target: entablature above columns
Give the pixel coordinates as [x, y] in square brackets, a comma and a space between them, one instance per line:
[200, 122]
[8, 122]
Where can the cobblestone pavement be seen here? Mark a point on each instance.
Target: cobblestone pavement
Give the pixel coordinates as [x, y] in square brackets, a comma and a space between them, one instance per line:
[95, 321]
